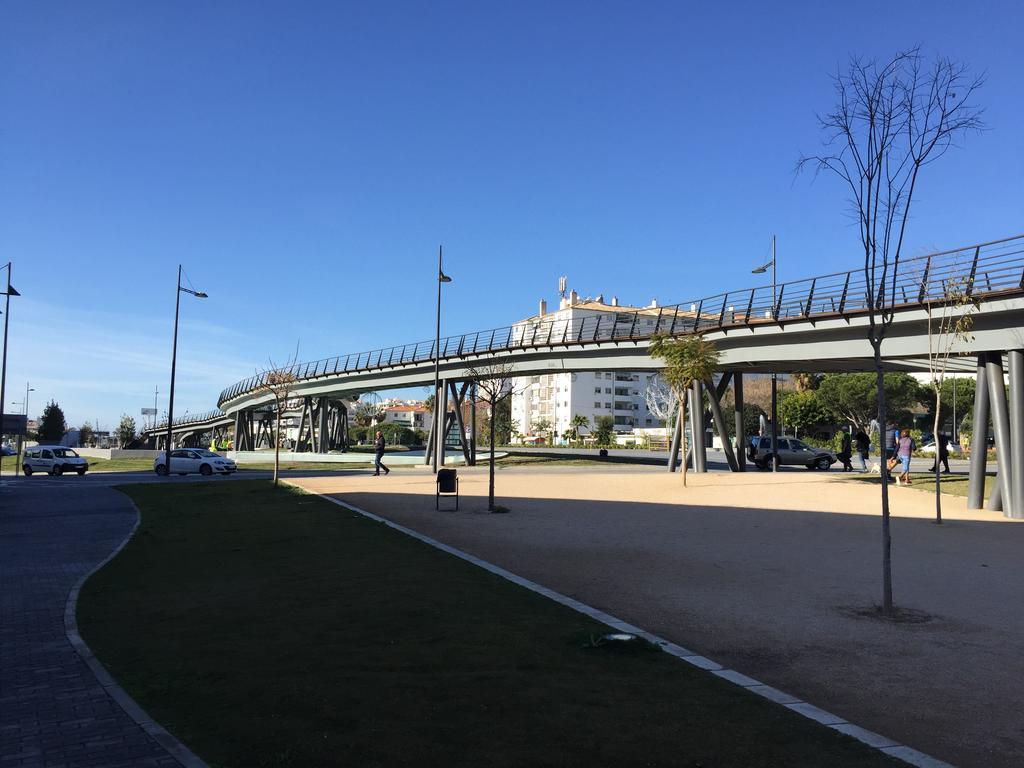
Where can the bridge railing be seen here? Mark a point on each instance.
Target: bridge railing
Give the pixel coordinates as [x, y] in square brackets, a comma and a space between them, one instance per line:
[986, 269]
[187, 419]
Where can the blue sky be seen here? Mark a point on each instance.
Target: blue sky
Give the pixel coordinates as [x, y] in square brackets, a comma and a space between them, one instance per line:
[304, 161]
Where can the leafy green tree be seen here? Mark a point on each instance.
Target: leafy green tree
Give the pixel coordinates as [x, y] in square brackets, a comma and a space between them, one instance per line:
[125, 431]
[806, 382]
[804, 410]
[854, 396]
[85, 435]
[964, 400]
[687, 359]
[52, 426]
[504, 424]
[543, 427]
[604, 431]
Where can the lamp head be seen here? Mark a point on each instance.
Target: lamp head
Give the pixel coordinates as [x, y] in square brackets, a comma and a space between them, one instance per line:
[443, 278]
[763, 268]
[201, 295]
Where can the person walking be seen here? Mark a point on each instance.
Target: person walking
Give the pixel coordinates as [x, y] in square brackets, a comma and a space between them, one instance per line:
[904, 452]
[846, 452]
[378, 455]
[863, 443]
[942, 453]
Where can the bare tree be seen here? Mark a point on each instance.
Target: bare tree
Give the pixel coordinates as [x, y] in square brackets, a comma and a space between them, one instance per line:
[494, 385]
[950, 320]
[660, 399]
[279, 383]
[889, 122]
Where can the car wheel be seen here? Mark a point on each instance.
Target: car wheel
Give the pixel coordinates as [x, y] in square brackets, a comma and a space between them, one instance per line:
[205, 470]
[57, 470]
[27, 470]
[80, 472]
[823, 463]
[161, 469]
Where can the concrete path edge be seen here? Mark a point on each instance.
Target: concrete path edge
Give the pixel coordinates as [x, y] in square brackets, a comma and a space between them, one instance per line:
[875, 741]
[157, 732]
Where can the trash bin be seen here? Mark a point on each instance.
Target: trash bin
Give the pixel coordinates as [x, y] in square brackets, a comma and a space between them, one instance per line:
[447, 485]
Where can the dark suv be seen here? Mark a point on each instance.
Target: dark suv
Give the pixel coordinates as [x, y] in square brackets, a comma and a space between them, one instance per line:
[792, 452]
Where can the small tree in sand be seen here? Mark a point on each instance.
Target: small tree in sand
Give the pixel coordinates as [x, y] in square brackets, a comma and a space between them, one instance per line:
[494, 386]
[948, 323]
[687, 359]
[890, 121]
[278, 383]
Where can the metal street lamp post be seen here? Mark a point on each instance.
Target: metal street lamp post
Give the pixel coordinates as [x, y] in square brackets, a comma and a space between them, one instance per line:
[775, 391]
[174, 362]
[438, 416]
[17, 453]
[3, 373]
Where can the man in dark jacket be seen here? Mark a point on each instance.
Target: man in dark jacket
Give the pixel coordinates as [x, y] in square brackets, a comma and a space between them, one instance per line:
[942, 455]
[378, 455]
[863, 445]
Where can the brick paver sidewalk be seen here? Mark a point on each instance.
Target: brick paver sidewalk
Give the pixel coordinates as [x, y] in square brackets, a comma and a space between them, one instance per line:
[53, 712]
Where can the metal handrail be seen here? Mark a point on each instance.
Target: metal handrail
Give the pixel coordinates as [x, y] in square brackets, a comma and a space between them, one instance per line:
[989, 268]
[187, 419]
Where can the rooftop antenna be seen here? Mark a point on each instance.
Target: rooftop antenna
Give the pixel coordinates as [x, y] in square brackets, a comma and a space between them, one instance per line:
[562, 281]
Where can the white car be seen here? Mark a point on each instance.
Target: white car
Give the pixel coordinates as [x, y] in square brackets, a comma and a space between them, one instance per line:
[54, 460]
[186, 461]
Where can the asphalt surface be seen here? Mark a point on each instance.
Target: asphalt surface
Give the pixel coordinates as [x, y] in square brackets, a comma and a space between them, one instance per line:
[53, 711]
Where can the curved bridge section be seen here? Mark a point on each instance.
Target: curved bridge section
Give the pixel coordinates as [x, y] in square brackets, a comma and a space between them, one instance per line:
[819, 324]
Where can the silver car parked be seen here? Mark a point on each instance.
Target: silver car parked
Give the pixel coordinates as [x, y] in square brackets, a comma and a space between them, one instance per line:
[791, 452]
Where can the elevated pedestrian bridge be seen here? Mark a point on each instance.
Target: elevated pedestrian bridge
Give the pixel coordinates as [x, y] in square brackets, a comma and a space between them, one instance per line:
[814, 324]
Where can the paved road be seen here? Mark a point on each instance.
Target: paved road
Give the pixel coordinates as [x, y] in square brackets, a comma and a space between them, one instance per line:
[53, 712]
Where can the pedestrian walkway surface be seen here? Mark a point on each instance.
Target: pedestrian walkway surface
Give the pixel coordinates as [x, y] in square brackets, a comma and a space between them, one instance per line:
[772, 575]
[53, 711]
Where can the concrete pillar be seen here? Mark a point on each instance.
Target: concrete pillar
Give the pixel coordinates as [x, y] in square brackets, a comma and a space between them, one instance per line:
[441, 400]
[741, 438]
[323, 430]
[1016, 457]
[700, 454]
[472, 425]
[979, 440]
[1001, 427]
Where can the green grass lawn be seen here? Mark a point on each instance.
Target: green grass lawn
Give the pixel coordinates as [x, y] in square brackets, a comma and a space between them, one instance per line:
[271, 628]
[146, 465]
[953, 484]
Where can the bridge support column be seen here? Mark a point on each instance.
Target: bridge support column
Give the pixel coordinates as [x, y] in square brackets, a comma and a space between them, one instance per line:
[698, 428]
[321, 441]
[741, 438]
[472, 426]
[441, 403]
[1016, 463]
[337, 417]
[243, 430]
[1001, 427]
[979, 440]
[720, 427]
[459, 398]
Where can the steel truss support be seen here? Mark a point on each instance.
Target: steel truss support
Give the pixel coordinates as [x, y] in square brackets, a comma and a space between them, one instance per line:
[243, 430]
[741, 438]
[677, 437]
[719, 423]
[437, 442]
[323, 426]
[976, 479]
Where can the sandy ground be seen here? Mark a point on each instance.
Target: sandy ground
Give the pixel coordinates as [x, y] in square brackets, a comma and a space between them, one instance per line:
[769, 575]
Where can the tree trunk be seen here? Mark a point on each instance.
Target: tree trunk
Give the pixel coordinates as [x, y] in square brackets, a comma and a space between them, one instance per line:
[938, 478]
[490, 469]
[882, 444]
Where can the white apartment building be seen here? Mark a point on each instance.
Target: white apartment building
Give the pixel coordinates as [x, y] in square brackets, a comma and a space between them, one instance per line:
[408, 415]
[557, 398]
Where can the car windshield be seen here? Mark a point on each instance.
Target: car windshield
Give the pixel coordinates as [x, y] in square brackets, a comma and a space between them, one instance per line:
[64, 453]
